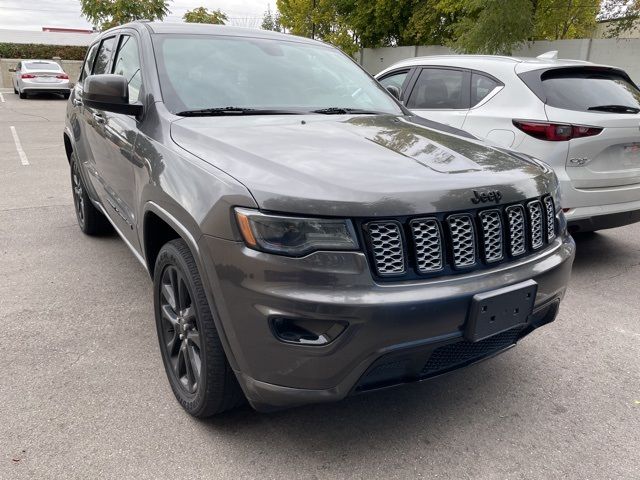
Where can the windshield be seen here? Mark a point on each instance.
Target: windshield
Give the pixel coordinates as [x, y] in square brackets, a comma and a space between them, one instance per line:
[42, 66]
[588, 90]
[207, 72]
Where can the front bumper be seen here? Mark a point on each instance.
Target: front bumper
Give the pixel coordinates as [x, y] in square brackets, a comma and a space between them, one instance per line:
[411, 319]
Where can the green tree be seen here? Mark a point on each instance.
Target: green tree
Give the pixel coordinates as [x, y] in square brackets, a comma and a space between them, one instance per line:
[492, 26]
[432, 23]
[271, 21]
[110, 13]
[560, 19]
[320, 19]
[202, 15]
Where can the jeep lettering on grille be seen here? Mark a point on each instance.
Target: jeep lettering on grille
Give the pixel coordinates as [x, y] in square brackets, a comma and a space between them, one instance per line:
[483, 197]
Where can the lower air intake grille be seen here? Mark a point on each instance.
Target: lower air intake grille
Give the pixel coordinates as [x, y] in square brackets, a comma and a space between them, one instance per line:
[386, 243]
[456, 354]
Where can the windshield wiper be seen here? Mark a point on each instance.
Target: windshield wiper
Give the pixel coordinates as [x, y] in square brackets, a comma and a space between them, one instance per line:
[212, 112]
[615, 108]
[345, 111]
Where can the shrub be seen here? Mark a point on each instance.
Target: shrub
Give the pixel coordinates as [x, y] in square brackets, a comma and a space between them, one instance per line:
[34, 50]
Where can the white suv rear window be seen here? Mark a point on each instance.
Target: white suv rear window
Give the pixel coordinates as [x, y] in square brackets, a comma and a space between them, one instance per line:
[590, 91]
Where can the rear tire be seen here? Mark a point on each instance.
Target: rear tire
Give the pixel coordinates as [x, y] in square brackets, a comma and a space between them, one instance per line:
[90, 220]
[66, 95]
[197, 368]
[23, 95]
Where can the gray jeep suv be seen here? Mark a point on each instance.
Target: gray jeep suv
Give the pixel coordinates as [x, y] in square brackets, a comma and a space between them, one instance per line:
[307, 236]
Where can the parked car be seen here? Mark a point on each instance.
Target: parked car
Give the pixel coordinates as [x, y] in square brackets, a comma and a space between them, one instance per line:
[581, 118]
[40, 76]
[308, 238]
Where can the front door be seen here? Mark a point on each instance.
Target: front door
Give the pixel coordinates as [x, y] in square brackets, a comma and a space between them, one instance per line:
[440, 94]
[114, 136]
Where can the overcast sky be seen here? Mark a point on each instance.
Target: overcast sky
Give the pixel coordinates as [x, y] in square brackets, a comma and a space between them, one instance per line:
[35, 14]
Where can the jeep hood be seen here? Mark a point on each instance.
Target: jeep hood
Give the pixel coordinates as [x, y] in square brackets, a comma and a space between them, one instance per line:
[357, 166]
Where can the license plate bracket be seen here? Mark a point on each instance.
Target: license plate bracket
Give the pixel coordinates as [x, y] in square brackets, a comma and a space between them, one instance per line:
[500, 310]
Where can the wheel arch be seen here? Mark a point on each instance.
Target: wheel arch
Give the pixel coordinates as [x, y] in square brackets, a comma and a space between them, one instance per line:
[155, 216]
[159, 227]
[68, 146]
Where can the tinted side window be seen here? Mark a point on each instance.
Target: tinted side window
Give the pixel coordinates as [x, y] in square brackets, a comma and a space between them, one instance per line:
[88, 62]
[127, 64]
[438, 88]
[481, 86]
[395, 79]
[104, 55]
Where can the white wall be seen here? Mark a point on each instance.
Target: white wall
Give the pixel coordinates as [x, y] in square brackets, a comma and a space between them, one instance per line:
[623, 53]
[46, 38]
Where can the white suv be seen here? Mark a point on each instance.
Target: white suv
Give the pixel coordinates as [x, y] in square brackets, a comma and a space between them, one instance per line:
[581, 118]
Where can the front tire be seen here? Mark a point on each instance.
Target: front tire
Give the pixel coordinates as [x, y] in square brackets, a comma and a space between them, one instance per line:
[197, 368]
[90, 220]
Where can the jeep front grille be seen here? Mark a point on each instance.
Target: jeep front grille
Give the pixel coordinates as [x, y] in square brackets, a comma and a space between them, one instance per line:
[427, 239]
[535, 220]
[386, 244]
[492, 235]
[550, 213]
[515, 217]
[447, 243]
[463, 240]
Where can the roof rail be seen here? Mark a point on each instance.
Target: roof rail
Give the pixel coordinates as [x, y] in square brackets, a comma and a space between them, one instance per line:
[552, 55]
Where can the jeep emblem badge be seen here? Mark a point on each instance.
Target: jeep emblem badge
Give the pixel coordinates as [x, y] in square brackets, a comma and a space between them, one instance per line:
[490, 196]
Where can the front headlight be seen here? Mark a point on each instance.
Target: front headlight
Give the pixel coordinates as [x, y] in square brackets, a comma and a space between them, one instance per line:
[294, 236]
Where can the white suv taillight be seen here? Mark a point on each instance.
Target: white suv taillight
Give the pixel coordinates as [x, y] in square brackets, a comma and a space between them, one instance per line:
[63, 76]
[555, 132]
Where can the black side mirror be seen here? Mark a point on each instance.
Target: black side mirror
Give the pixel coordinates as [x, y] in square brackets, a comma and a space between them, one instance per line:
[395, 91]
[12, 70]
[110, 93]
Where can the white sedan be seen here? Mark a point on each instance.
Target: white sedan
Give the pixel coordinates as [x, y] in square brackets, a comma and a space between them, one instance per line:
[40, 76]
[581, 118]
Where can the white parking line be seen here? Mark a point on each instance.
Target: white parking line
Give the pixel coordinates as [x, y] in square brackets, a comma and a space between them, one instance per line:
[23, 156]
[1, 97]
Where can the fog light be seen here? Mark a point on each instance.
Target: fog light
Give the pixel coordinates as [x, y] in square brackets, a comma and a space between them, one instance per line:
[306, 332]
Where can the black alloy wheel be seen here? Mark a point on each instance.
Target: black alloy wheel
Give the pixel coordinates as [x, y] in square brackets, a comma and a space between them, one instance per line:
[195, 362]
[90, 220]
[180, 336]
[78, 194]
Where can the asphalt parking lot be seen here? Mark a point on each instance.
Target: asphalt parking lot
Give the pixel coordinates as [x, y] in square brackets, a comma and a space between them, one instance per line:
[83, 392]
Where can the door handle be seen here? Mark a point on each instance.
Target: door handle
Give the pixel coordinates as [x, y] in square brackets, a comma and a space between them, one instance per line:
[77, 102]
[99, 118]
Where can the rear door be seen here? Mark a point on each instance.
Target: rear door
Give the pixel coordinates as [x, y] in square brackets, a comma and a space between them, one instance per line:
[604, 98]
[76, 111]
[441, 94]
[92, 122]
